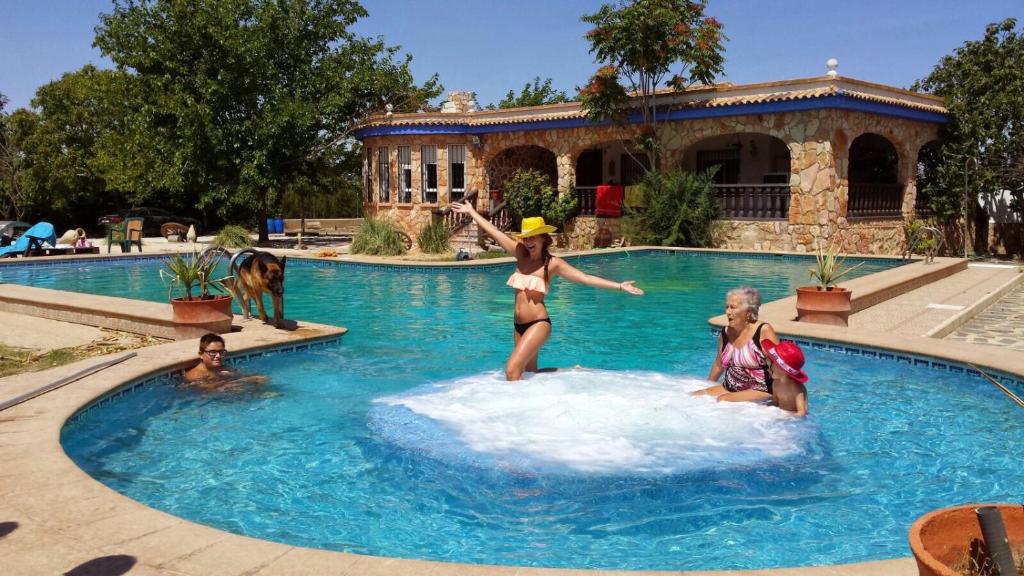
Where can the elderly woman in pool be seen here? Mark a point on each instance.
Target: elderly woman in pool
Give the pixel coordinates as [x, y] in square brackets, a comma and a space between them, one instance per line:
[739, 353]
[534, 268]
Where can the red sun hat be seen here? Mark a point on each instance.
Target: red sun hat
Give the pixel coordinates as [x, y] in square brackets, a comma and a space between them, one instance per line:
[788, 356]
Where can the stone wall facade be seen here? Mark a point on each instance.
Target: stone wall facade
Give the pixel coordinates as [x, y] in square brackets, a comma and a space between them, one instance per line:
[504, 164]
[818, 142]
[412, 216]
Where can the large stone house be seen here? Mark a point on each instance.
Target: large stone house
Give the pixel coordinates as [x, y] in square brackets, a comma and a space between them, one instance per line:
[800, 161]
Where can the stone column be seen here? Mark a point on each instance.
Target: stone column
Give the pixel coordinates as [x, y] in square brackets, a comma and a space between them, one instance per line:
[476, 174]
[908, 176]
[813, 181]
[566, 171]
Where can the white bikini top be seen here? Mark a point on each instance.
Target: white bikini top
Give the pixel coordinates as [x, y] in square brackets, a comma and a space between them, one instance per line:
[521, 281]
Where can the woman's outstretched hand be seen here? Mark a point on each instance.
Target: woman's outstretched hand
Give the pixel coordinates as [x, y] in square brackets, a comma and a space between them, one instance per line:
[628, 286]
[463, 208]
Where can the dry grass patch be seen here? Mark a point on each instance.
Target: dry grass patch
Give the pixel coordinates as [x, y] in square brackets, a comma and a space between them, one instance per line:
[15, 360]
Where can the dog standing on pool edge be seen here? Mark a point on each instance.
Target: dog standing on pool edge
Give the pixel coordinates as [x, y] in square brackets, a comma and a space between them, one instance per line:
[258, 272]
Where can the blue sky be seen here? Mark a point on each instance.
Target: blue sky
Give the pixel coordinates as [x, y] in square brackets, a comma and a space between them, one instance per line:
[491, 46]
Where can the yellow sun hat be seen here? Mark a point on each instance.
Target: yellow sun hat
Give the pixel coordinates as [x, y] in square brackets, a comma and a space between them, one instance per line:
[534, 227]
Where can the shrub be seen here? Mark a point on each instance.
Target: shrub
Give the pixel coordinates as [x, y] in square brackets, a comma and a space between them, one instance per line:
[557, 208]
[680, 209]
[232, 236]
[378, 237]
[523, 193]
[916, 239]
[529, 193]
[433, 238]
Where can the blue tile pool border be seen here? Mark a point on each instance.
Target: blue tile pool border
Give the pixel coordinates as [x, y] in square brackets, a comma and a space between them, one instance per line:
[444, 268]
[164, 377]
[900, 357]
[15, 263]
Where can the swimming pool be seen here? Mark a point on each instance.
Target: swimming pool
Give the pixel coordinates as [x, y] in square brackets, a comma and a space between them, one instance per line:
[358, 447]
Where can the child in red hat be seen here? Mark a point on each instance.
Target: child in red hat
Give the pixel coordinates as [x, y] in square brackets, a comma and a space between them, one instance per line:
[788, 377]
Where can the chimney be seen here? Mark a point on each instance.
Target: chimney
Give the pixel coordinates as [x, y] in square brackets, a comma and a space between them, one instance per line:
[460, 101]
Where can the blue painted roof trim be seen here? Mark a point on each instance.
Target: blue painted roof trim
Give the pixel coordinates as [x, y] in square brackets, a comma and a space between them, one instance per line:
[836, 102]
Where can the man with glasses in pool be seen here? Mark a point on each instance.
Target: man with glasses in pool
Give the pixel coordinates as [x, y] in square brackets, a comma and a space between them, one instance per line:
[211, 371]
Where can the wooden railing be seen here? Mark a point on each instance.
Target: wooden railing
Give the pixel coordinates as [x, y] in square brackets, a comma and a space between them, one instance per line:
[501, 217]
[454, 221]
[754, 201]
[586, 200]
[875, 201]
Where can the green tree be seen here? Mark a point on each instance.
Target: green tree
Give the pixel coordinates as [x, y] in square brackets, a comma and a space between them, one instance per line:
[982, 145]
[644, 45]
[16, 196]
[80, 116]
[535, 94]
[12, 191]
[249, 98]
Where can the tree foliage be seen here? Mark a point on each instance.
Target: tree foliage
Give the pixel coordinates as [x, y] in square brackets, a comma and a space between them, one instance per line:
[645, 45]
[14, 198]
[245, 99]
[536, 93]
[982, 83]
[54, 158]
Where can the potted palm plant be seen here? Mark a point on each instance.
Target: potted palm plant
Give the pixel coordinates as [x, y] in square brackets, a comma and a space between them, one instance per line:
[186, 271]
[826, 303]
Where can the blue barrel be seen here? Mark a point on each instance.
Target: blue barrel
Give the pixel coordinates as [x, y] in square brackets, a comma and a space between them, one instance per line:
[271, 226]
[279, 225]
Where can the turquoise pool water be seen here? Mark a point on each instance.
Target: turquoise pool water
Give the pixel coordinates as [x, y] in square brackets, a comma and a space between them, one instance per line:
[402, 440]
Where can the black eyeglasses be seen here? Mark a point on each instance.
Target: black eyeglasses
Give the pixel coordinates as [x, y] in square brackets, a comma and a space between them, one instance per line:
[215, 352]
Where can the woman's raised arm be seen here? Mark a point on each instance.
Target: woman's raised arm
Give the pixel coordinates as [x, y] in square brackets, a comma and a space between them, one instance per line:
[569, 272]
[508, 244]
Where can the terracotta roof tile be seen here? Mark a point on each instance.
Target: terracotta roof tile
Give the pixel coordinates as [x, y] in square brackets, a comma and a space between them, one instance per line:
[718, 96]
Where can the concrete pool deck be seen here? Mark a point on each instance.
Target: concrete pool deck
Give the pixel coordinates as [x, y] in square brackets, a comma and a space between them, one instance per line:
[56, 519]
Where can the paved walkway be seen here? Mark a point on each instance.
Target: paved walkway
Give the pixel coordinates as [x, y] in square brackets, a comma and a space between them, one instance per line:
[1001, 324]
[44, 335]
[919, 311]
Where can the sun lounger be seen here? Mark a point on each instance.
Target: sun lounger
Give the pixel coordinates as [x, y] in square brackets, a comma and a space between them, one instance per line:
[35, 238]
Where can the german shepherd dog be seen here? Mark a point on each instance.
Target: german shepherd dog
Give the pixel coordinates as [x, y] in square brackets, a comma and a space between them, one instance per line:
[256, 272]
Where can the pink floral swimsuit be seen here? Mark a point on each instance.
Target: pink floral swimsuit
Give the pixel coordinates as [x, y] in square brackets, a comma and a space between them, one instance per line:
[746, 367]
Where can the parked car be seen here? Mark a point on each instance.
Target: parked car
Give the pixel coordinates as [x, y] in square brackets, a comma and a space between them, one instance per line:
[153, 218]
[10, 230]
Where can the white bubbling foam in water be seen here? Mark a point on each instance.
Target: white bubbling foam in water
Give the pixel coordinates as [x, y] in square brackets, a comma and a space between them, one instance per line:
[592, 421]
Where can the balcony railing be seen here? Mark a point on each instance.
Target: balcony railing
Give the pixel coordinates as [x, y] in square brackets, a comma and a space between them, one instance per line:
[922, 205]
[875, 201]
[754, 201]
[586, 200]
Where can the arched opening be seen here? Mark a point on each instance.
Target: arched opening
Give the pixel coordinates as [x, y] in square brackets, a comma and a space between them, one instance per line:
[927, 163]
[505, 163]
[874, 187]
[606, 164]
[752, 173]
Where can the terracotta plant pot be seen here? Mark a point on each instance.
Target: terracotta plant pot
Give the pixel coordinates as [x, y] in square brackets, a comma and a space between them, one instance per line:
[212, 314]
[940, 539]
[823, 306]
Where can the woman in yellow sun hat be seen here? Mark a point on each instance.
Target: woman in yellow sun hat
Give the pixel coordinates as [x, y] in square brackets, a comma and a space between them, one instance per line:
[534, 267]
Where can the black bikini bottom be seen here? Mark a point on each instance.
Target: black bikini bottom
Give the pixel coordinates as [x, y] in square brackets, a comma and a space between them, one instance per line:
[521, 328]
